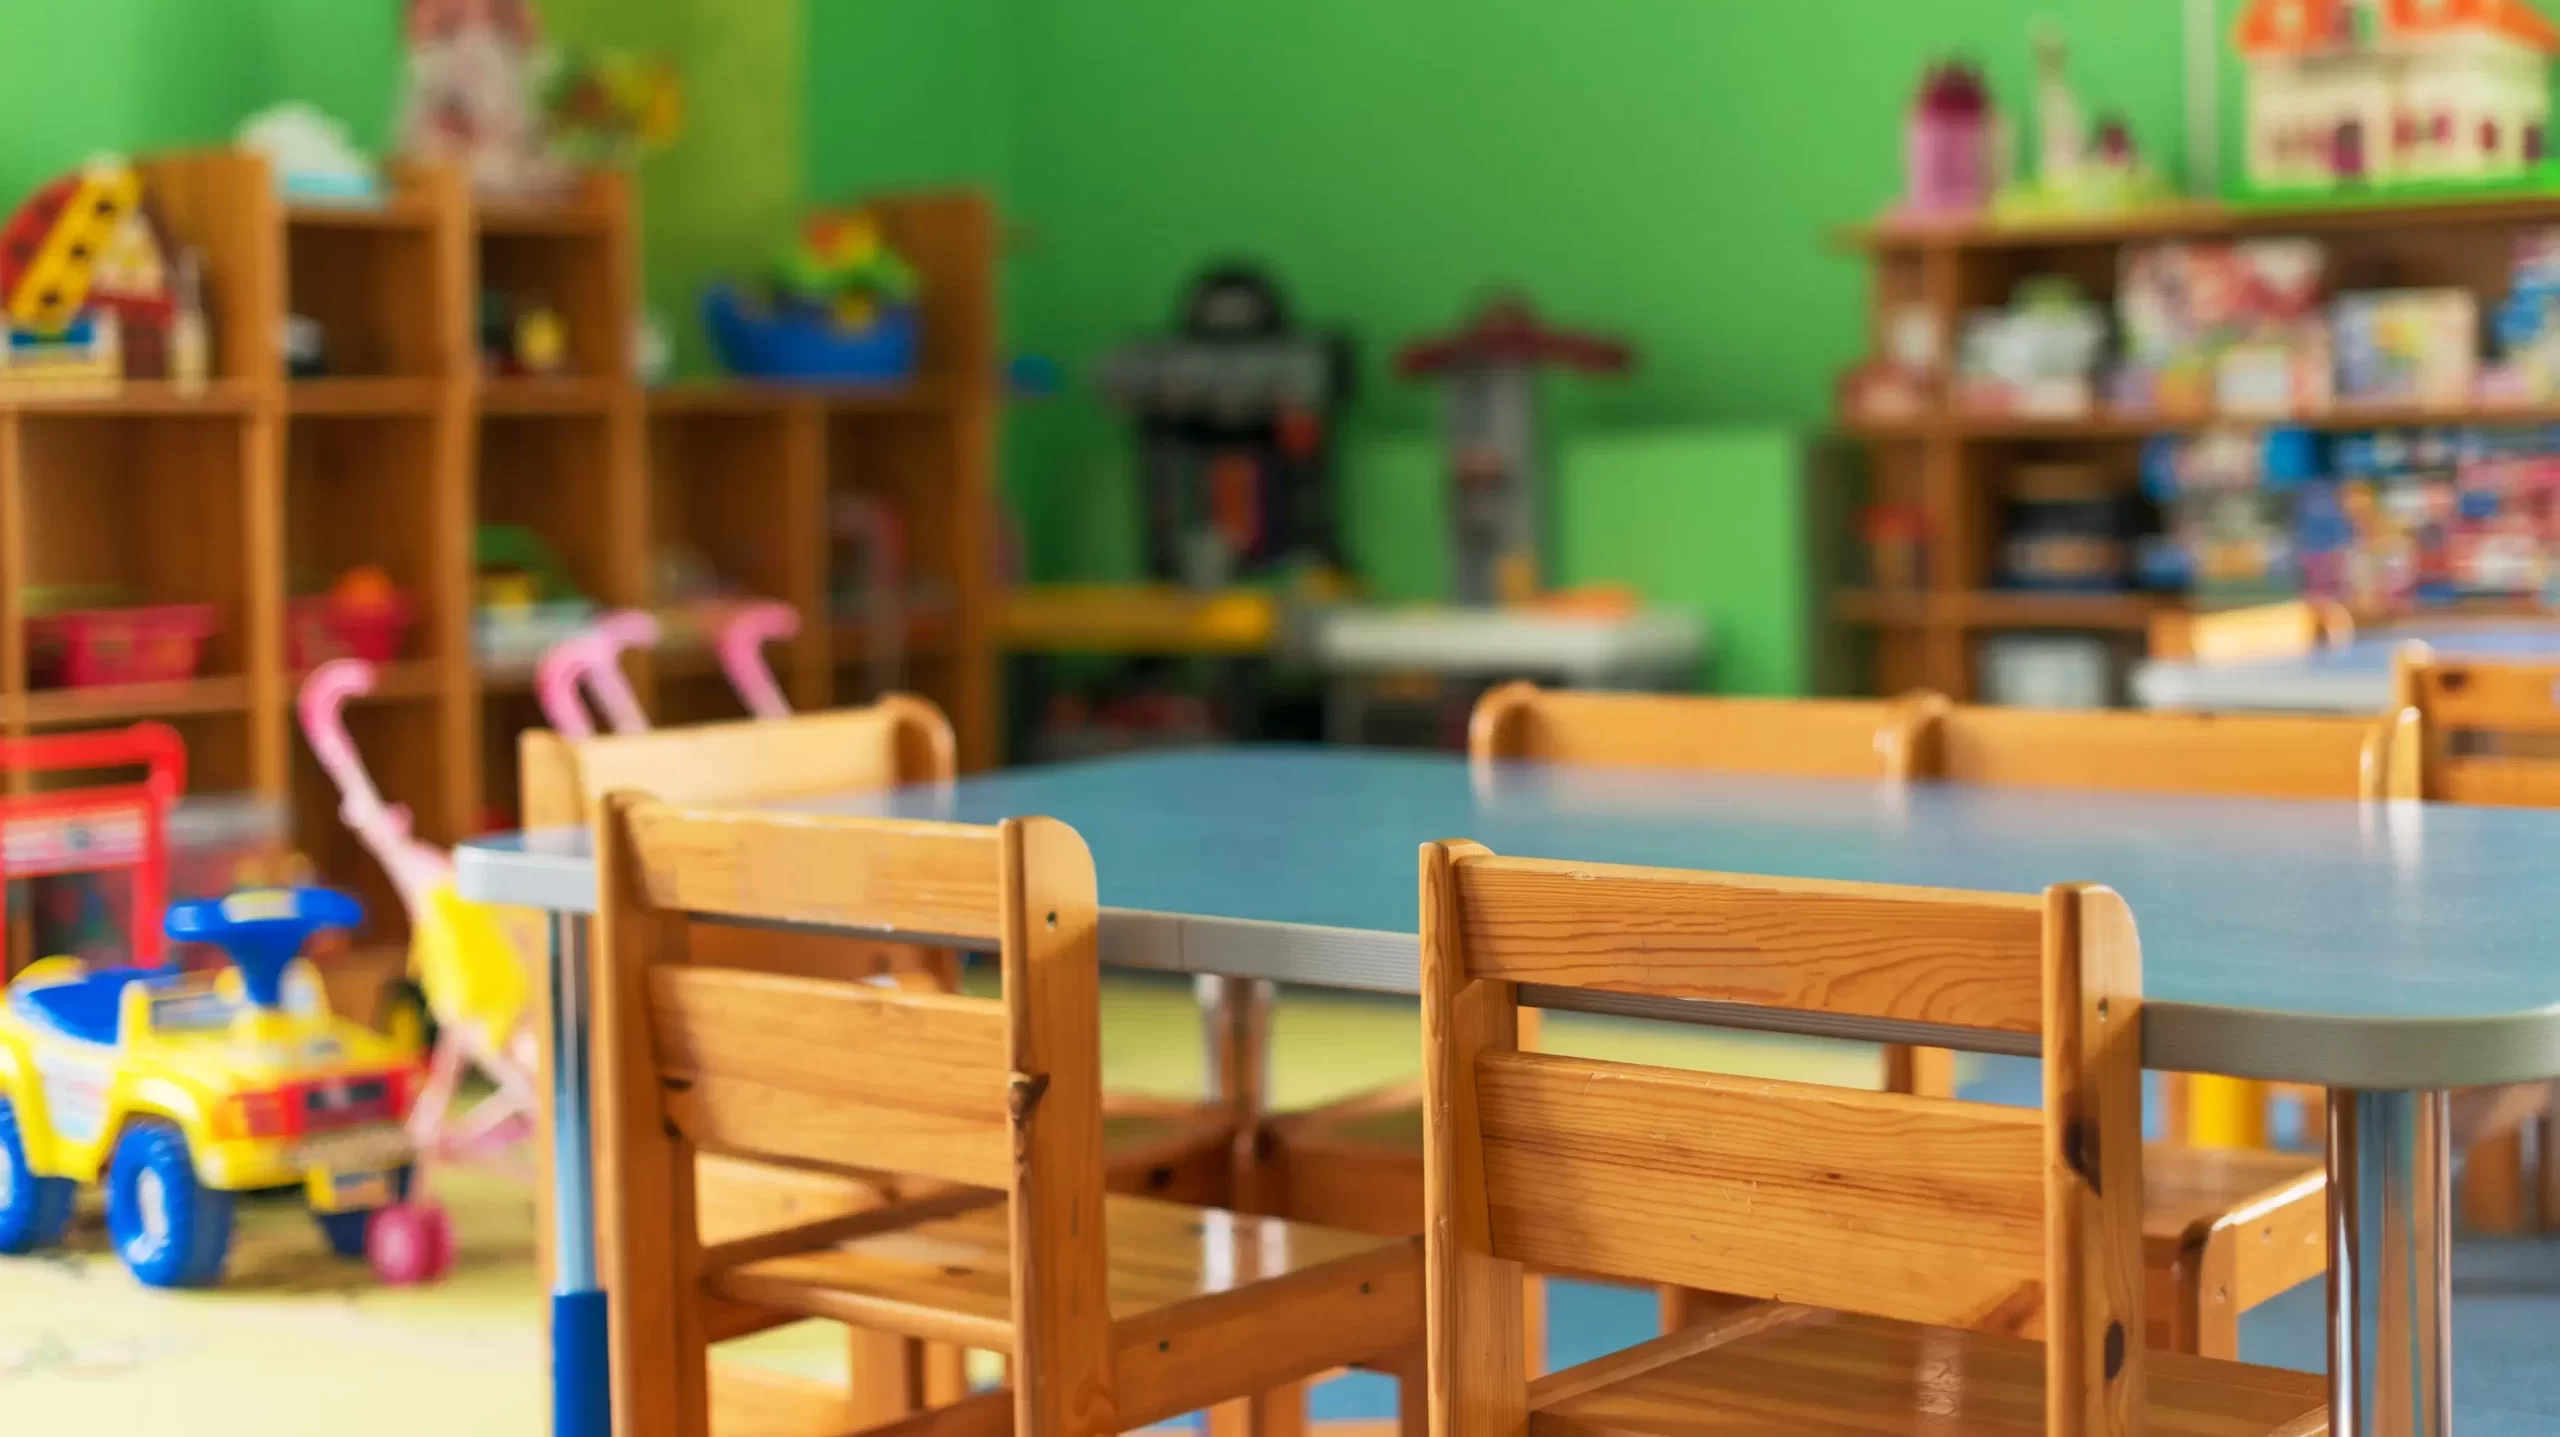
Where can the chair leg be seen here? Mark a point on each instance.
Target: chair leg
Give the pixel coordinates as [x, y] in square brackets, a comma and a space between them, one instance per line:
[1533, 1322]
[1411, 1370]
[882, 1369]
[2493, 1191]
[1279, 1412]
[946, 1374]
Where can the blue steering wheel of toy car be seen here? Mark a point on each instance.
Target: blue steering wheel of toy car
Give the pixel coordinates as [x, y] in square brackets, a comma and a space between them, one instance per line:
[263, 929]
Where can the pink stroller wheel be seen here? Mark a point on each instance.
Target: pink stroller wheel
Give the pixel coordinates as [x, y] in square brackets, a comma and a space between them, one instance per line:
[410, 1242]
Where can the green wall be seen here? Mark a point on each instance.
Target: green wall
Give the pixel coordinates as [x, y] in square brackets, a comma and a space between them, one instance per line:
[1663, 168]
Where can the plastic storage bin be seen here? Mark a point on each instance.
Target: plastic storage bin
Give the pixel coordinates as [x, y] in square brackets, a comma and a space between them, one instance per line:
[84, 648]
[321, 627]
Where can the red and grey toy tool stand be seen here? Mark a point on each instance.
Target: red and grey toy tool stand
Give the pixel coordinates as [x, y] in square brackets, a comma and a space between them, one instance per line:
[111, 827]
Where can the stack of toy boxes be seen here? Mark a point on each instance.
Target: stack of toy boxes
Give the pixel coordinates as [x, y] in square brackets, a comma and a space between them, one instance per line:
[2229, 328]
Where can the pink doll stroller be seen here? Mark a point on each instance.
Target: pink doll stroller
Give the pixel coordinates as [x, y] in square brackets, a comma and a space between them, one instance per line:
[468, 965]
[589, 662]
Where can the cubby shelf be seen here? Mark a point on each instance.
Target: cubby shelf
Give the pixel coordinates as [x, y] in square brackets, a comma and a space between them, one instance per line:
[256, 486]
[1946, 467]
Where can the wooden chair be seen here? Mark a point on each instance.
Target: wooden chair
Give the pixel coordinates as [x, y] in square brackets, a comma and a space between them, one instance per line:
[1900, 1239]
[1358, 1163]
[982, 1116]
[2489, 732]
[2262, 631]
[1179, 1151]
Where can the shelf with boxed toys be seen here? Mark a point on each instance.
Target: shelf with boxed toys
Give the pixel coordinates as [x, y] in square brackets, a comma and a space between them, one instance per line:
[2005, 351]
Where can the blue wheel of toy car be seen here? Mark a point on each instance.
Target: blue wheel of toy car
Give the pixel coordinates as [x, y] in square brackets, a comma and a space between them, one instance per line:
[34, 1211]
[348, 1232]
[171, 1230]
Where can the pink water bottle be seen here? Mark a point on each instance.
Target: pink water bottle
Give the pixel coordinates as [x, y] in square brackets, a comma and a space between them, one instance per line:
[1949, 143]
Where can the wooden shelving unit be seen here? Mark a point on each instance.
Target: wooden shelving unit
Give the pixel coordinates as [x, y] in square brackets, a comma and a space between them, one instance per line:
[259, 486]
[1947, 465]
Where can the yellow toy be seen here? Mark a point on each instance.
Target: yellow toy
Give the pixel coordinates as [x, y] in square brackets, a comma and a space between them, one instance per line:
[174, 1091]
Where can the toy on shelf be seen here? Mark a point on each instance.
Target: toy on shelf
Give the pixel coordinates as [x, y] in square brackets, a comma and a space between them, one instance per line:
[473, 69]
[1235, 413]
[2040, 355]
[87, 638]
[2352, 94]
[522, 338]
[91, 287]
[2068, 527]
[362, 616]
[175, 1091]
[2227, 497]
[469, 970]
[2077, 171]
[1954, 150]
[2233, 328]
[311, 156]
[526, 602]
[873, 591]
[2406, 347]
[740, 648]
[842, 307]
[1499, 469]
[611, 108]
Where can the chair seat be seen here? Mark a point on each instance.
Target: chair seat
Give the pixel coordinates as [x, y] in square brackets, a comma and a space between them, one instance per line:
[1195, 1293]
[1783, 1372]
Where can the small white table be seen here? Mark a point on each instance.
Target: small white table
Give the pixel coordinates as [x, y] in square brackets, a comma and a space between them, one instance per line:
[1650, 648]
[2353, 678]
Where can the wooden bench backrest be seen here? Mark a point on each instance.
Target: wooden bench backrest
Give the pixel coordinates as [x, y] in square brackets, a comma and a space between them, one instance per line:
[1921, 1208]
[833, 1074]
[1820, 738]
[2489, 731]
[2239, 755]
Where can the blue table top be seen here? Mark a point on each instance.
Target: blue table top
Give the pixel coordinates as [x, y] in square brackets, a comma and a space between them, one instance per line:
[2352, 678]
[2389, 946]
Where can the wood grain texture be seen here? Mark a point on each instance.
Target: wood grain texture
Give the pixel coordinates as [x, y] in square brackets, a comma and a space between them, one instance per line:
[736, 1198]
[1063, 1379]
[755, 1064]
[891, 877]
[1841, 1374]
[1685, 1341]
[2092, 1169]
[2286, 630]
[1475, 1364]
[1758, 1187]
[647, 1230]
[1833, 738]
[1965, 960]
[2255, 755]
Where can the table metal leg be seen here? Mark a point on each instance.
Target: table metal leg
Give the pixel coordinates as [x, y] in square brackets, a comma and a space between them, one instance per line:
[2390, 1265]
[581, 1386]
[1235, 1022]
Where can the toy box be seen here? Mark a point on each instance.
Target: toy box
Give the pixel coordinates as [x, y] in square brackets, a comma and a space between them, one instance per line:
[2412, 346]
[2209, 325]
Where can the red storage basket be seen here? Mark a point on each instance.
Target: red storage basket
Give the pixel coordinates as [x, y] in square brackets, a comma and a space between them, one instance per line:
[319, 627]
[85, 648]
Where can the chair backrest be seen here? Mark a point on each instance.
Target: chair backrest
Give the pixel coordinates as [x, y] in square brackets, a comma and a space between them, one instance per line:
[1835, 738]
[1919, 1208]
[898, 739]
[2239, 755]
[2262, 631]
[2488, 731]
[994, 1093]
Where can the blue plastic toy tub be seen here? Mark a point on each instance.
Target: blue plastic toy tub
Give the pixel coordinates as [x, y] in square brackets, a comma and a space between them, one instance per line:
[791, 344]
